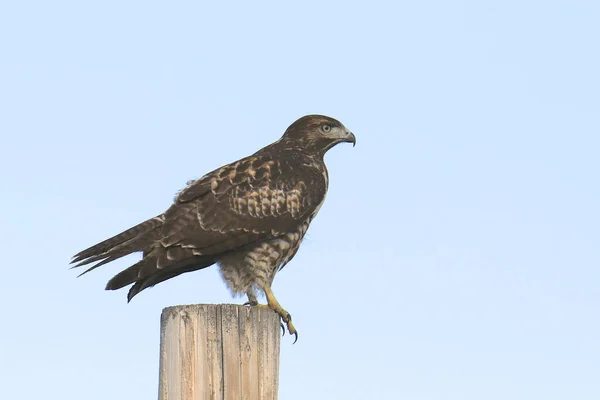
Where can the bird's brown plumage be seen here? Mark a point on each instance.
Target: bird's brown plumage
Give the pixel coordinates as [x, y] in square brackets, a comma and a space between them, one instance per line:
[248, 216]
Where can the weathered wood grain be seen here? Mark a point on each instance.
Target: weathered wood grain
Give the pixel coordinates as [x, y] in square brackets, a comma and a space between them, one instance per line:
[219, 352]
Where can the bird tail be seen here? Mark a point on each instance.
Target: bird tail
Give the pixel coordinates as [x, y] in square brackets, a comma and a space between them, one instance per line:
[147, 273]
[130, 241]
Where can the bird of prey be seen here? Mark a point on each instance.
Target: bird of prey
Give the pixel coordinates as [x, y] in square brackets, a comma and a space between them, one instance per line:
[248, 217]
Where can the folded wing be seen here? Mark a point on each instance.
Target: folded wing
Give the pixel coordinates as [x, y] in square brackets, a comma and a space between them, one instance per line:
[239, 205]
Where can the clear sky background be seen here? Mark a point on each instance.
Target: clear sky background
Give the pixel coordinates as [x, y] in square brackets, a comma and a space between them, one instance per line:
[456, 256]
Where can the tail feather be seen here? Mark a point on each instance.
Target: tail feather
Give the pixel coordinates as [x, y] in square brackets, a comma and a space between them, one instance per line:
[141, 243]
[159, 263]
[134, 239]
[146, 273]
[171, 272]
[120, 240]
[126, 277]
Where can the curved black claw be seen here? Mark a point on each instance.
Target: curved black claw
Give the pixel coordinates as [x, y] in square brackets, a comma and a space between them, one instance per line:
[296, 339]
[282, 329]
[251, 303]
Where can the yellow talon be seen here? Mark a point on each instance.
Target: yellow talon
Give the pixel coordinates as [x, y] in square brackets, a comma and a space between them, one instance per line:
[274, 305]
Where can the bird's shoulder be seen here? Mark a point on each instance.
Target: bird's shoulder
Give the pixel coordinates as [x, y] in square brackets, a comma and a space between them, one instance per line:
[268, 168]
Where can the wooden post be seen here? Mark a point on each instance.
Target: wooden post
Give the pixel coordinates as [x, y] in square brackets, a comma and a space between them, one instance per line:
[219, 352]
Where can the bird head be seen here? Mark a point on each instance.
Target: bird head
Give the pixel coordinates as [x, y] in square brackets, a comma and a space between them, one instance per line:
[318, 132]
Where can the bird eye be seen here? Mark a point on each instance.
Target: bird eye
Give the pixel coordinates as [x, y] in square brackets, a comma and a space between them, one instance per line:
[326, 128]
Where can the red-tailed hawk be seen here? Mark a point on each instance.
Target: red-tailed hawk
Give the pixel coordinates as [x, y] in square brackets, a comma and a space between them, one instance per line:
[249, 217]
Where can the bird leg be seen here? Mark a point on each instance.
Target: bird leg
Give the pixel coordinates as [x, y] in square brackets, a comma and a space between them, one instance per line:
[274, 305]
[252, 301]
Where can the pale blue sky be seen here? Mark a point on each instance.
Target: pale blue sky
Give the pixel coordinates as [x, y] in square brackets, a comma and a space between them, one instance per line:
[456, 256]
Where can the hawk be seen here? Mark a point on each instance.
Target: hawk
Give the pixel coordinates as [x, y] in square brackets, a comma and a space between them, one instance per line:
[248, 217]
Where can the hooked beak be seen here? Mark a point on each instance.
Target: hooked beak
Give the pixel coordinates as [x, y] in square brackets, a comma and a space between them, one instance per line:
[350, 138]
